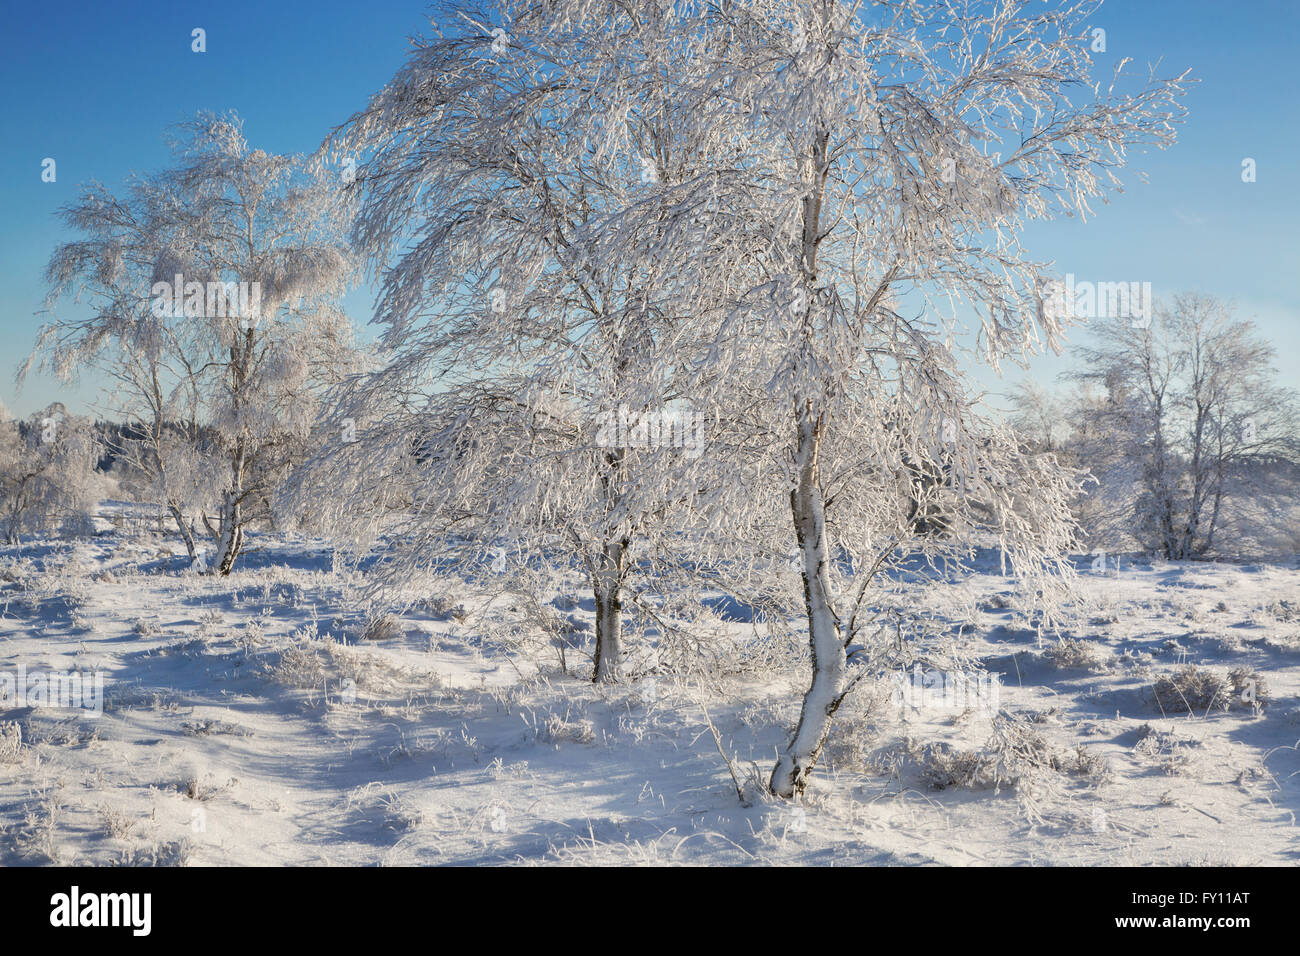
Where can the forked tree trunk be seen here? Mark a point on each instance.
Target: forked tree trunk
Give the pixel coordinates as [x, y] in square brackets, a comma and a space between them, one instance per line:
[829, 660]
[230, 538]
[607, 583]
[230, 529]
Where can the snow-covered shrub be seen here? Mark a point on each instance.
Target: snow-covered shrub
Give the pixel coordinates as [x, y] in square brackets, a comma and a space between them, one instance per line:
[1016, 756]
[1191, 689]
[1200, 690]
[443, 608]
[1077, 654]
[47, 477]
[17, 570]
[299, 665]
[857, 728]
[557, 730]
[387, 627]
[79, 524]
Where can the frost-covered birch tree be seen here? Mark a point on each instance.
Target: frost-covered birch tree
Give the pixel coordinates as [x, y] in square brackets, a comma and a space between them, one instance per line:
[214, 305]
[893, 153]
[1190, 419]
[1039, 417]
[541, 344]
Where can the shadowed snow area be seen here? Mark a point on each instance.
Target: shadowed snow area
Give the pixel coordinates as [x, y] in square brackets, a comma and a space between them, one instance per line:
[247, 720]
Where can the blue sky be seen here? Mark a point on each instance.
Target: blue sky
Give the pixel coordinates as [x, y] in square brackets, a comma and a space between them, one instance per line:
[93, 84]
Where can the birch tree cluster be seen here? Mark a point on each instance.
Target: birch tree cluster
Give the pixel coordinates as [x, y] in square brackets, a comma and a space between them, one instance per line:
[768, 213]
[670, 294]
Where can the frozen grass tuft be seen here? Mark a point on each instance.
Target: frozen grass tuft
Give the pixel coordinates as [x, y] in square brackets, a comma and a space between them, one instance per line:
[172, 853]
[207, 727]
[146, 628]
[1091, 765]
[1190, 690]
[203, 789]
[1285, 611]
[1077, 654]
[946, 766]
[1170, 753]
[557, 730]
[299, 666]
[1016, 756]
[118, 824]
[11, 742]
[384, 628]
[1198, 690]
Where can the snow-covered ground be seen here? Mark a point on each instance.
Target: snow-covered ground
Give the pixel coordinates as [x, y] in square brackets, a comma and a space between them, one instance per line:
[246, 721]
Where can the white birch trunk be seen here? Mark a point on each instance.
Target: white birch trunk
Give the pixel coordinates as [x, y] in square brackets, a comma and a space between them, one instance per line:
[230, 537]
[607, 583]
[187, 533]
[829, 662]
